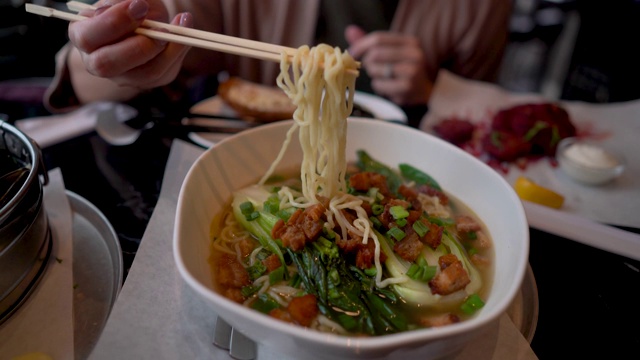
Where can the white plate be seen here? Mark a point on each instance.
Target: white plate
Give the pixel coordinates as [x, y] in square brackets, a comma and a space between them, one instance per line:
[381, 109]
[98, 272]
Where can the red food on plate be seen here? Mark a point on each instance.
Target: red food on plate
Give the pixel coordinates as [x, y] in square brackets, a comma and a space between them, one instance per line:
[514, 134]
[505, 146]
[454, 130]
[542, 125]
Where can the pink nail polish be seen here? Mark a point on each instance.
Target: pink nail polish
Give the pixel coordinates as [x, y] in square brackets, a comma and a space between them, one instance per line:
[138, 9]
[101, 9]
[186, 20]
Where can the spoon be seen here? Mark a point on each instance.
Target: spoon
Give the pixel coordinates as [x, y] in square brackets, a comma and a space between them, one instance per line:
[114, 131]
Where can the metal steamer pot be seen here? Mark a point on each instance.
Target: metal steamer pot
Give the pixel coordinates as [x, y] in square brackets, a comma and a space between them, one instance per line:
[25, 236]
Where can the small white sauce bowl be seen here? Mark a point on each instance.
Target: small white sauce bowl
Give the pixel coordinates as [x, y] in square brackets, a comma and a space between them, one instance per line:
[584, 172]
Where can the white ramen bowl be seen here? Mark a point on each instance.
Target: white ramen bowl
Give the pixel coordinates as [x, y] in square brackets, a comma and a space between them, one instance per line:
[241, 160]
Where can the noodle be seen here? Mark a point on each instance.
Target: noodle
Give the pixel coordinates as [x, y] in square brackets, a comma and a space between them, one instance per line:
[319, 83]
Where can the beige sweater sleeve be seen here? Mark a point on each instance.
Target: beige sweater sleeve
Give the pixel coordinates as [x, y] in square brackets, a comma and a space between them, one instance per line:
[467, 37]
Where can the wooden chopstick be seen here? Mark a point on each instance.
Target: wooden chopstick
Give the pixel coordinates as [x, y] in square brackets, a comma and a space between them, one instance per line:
[199, 34]
[162, 35]
[185, 36]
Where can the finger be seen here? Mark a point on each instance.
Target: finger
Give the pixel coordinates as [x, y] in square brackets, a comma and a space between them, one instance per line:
[113, 60]
[109, 26]
[409, 51]
[390, 67]
[163, 68]
[380, 70]
[375, 39]
[100, 7]
[353, 33]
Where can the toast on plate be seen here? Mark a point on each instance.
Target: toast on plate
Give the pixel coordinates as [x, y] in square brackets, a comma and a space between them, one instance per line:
[256, 101]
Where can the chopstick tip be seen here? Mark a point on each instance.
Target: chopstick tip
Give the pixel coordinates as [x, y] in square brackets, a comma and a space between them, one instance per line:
[39, 10]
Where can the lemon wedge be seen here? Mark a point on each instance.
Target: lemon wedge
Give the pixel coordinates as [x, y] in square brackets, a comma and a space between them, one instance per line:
[530, 191]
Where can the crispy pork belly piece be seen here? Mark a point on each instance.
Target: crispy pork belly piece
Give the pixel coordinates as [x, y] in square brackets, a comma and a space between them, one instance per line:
[350, 244]
[409, 248]
[313, 219]
[293, 237]
[451, 278]
[231, 272]
[433, 237]
[385, 217]
[363, 181]
[232, 276]
[304, 226]
[364, 253]
[278, 229]
[281, 314]
[303, 309]
[440, 320]
[234, 294]
[445, 260]
[408, 192]
[411, 195]
[272, 262]
[466, 223]
[428, 190]
[246, 246]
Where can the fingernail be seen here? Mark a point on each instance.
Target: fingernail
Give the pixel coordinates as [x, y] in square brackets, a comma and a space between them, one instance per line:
[101, 9]
[138, 9]
[186, 19]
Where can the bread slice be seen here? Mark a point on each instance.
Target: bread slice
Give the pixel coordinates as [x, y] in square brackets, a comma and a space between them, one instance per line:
[256, 101]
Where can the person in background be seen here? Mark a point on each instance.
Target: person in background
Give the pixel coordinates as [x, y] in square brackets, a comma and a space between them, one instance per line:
[402, 45]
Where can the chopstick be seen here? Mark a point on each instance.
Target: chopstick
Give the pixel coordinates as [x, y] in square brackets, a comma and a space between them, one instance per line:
[199, 34]
[185, 36]
[162, 35]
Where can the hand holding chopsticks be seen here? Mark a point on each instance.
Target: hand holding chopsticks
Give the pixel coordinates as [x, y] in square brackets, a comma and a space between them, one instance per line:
[181, 35]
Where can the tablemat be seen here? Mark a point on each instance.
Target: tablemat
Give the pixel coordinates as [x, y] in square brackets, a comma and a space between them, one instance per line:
[44, 323]
[157, 316]
[617, 125]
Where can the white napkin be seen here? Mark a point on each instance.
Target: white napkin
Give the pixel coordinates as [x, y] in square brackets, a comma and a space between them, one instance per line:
[44, 323]
[157, 316]
[54, 129]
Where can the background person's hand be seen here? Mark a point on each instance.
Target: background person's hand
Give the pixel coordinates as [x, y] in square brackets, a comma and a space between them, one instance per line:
[108, 47]
[394, 62]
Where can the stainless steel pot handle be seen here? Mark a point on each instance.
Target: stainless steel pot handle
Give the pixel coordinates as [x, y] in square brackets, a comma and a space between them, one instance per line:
[42, 170]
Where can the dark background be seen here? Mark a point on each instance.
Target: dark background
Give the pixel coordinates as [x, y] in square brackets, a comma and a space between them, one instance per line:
[574, 50]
